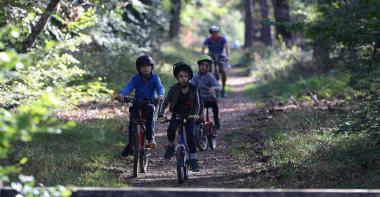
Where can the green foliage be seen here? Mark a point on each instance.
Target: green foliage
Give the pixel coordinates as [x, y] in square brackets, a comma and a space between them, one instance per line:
[27, 187]
[196, 18]
[365, 118]
[21, 125]
[284, 73]
[352, 28]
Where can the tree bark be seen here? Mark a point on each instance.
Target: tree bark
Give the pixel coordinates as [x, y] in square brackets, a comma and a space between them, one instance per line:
[321, 52]
[281, 14]
[248, 21]
[175, 23]
[37, 29]
[266, 36]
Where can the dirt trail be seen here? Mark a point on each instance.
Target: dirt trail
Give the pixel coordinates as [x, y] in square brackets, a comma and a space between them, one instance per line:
[219, 168]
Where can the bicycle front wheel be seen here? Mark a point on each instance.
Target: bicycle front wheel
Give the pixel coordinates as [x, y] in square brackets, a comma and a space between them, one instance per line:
[201, 137]
[143, 161]
[137, 151]
[212, 137]
[181, 168]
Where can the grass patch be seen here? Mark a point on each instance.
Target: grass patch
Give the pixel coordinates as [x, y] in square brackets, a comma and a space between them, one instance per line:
[83, 156]
[324, 86]
[306, 151]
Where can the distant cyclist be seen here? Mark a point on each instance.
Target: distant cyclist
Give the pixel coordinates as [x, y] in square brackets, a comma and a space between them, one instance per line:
[219, 51]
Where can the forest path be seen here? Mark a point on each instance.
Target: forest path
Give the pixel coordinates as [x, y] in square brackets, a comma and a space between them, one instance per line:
[219, 168]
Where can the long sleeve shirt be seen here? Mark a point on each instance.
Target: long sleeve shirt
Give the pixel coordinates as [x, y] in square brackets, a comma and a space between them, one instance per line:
[204, 82]
[149, 89]
[173, 97]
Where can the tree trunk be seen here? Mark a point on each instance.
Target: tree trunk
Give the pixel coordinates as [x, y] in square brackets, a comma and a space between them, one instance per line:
[37, 29]
[281, 14]
[175, 23]
[248, 21]
[321, 52]
[266, 36]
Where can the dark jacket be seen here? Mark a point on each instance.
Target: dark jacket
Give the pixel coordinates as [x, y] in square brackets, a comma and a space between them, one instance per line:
[173, 96]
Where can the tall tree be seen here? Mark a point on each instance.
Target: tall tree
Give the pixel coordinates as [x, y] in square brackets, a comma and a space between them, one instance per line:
[248, 21]
[266, 36]
[281, 15]
[40, 25]
[175, 22]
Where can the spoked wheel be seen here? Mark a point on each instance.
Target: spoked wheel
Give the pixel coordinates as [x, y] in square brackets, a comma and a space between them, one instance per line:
[181, 168]
[201, 138]
[187, 166]
[212, 137]
[137, 151]
[144, 158]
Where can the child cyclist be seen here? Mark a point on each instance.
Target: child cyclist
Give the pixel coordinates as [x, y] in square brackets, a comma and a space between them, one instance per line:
[184, 99]
[148, 88]
[207, 85]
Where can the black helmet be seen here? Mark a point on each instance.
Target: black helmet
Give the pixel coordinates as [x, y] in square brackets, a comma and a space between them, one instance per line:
[214, 29]
[144, 59]
[181, 66]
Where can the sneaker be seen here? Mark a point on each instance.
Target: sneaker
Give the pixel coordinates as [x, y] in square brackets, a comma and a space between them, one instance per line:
[194, 165]
[169, 153]
[217, 124]
[151, 144]
[127, 151]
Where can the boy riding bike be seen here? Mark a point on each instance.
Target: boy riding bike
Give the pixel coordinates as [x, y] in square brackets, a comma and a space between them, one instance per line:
[148, 89]
[184, 100]
[219, 51]
[207, 85]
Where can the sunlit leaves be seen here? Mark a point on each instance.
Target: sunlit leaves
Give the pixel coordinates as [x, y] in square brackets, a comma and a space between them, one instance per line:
[27, 187]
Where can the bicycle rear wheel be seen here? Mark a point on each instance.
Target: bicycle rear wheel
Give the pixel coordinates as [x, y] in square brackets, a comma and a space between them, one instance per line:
[181, 168]
[201, 137]
[136, 155]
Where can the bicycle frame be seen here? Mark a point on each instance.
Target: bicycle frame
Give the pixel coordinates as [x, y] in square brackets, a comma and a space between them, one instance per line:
[182, 151]
[208, 123]
[139, 124]
[181, 135]
[140, 151]
[206, 132]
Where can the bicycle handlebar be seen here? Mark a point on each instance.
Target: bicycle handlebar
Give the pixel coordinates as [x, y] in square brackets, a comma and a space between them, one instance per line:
[128, 99]
[181, 117]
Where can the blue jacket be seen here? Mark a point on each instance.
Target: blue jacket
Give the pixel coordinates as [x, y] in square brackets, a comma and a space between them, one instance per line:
[144, 90]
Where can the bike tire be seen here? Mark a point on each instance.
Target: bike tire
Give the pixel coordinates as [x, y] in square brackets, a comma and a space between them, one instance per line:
[144, 160]
[187, 166]
[212, 137]
[181, 169]
[136, 154]
[201, 137]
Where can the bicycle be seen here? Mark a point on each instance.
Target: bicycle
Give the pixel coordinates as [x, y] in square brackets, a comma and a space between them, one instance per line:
[218, 61]
[181, 150]
[215, 65]
[206, 133]
[140, 153]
